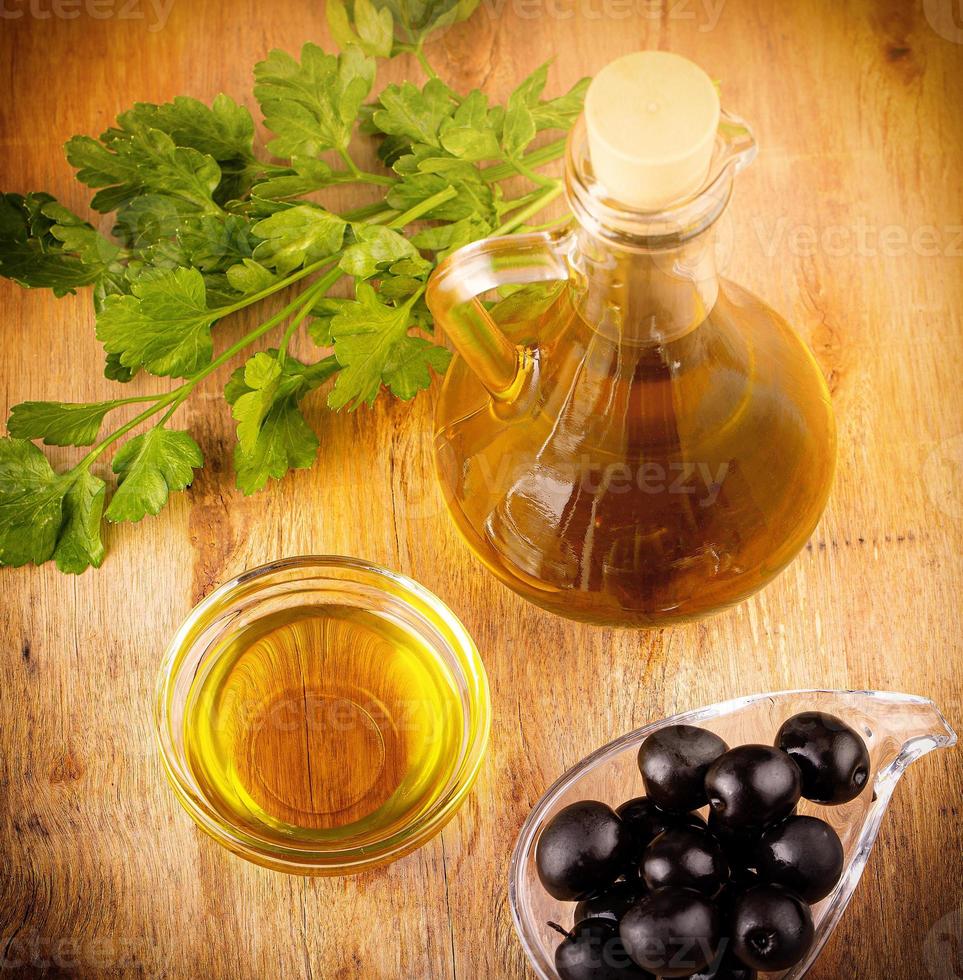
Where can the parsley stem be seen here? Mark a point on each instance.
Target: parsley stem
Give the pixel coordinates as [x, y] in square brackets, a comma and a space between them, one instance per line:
[382, 180]
[318, 288]
[133, 400]
[177, 395]
[519, 202]
[258, 332]
[423, 60]
[356, 174]
[369, 212]
[422, 208]
[175, 405]
[349, 162]
[275, 287]
[537, 158]
[547, 225]
[540, 202]
[526, 171]
[124, 429]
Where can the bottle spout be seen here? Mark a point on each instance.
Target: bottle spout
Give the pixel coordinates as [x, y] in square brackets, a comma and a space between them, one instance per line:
[914, 725]
[736, 145]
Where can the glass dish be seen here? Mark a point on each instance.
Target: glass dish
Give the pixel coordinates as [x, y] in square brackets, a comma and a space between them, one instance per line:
[898, 729]
[316, 582]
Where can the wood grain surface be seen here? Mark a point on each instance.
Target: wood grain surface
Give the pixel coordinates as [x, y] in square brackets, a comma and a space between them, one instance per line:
[849, 223]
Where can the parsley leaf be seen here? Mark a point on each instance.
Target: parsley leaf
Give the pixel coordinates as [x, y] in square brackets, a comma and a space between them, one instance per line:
[273, 436]
[418, 114]
[562, 112]
[406, 367]
[45, 515]
[375, 247]
[31, 503]
[526, 114]
[249, 276]
[165, 326]
[224, 130]
[312, 105]
[470, 133]
[373, 24]
[79, 544]
[115, 371]
[298, 236]
[420, 17]
[303, 177]
[444, 239]
[81, 238]
[519, 127]
[145, 161]
[58, 423]
[150, 466]
[363, 25]
[372, 345]
[31, 255]
[214, 243]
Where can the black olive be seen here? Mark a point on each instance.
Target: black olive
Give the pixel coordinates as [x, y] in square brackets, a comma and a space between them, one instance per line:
[612, 903]
[594, 950]
[726, 967]
[772, 928]
[582, 850]
[752, 786]
[831, 756]
[686, 858]
[672, 931]
[645, 821]
[674, 761]
[803, 854]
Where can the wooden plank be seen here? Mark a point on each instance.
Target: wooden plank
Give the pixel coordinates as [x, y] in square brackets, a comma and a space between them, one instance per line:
[857, 111]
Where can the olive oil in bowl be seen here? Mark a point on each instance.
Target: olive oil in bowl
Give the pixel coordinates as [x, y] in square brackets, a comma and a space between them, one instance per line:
[324, 723]
[323, 726]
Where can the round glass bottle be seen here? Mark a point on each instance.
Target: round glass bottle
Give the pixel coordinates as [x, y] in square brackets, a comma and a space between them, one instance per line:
[629, 439]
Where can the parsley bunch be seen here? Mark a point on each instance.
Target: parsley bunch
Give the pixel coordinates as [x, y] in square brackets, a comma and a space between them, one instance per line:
[204, 227]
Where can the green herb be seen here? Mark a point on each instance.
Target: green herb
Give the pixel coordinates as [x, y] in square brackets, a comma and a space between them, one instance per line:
[203, 227]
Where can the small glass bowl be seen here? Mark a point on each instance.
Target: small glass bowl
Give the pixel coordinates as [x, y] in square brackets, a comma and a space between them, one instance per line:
[897, 728]
[316, 581]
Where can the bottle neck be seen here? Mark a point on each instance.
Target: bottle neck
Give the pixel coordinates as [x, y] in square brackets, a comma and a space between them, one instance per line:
[642, 296]
[649, 277]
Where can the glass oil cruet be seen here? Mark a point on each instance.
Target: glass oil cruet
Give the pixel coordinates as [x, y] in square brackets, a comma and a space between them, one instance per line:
[626, 438]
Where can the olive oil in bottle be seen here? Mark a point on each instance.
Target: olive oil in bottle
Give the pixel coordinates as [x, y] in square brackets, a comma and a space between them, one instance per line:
[644, 442]
[645, 482]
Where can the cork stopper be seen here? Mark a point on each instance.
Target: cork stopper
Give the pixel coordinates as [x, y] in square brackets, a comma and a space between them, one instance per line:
[651, 119]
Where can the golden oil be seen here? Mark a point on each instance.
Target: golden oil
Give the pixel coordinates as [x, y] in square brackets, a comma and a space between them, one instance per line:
[327, 723]
[639, 482]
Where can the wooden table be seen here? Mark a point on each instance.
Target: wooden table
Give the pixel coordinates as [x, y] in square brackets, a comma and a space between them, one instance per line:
[857, 110]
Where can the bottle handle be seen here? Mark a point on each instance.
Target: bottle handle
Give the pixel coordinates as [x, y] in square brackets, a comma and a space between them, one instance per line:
[453, 298]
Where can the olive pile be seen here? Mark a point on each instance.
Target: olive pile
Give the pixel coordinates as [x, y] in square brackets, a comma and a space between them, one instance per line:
[661, 892]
